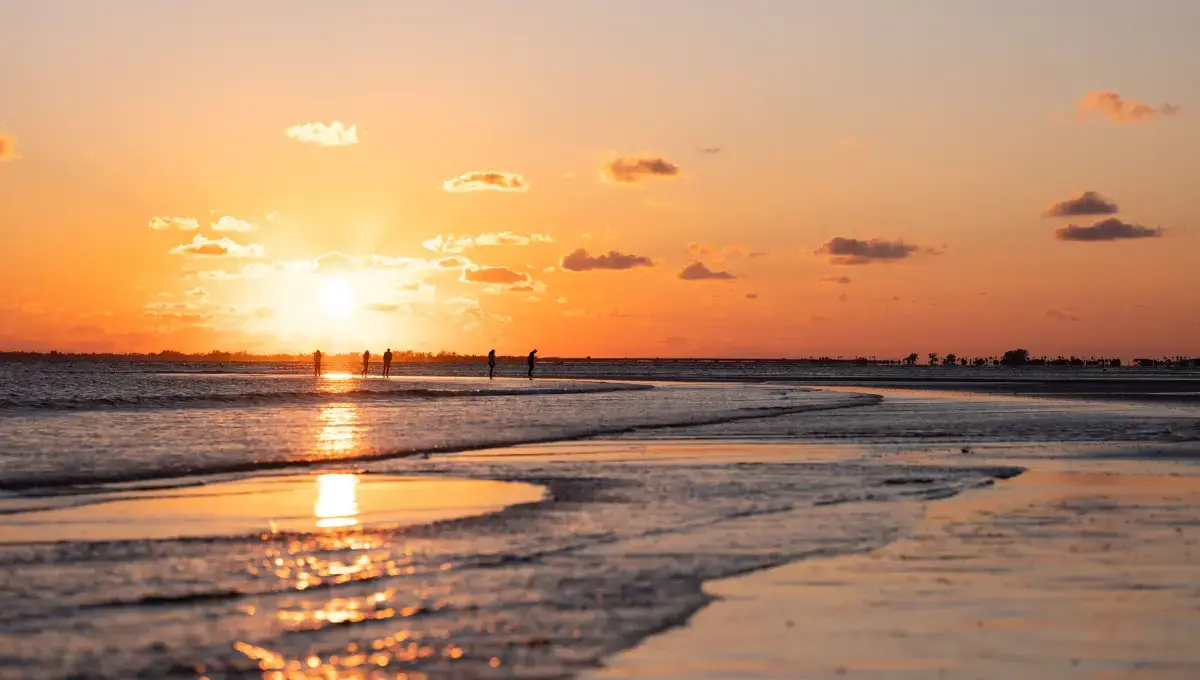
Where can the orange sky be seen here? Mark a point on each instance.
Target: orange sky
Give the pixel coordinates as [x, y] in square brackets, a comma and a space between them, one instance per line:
[868, 179]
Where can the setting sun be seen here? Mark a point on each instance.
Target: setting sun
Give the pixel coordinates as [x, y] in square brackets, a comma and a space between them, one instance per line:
[337, 297]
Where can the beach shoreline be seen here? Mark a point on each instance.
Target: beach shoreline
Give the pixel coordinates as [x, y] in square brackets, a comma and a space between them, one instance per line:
[1051, 573]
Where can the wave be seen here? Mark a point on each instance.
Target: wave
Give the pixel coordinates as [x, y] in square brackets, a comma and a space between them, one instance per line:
[75, 481]
[123, 402]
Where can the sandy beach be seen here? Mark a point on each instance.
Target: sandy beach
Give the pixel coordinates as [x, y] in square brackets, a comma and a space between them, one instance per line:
[1054, 573]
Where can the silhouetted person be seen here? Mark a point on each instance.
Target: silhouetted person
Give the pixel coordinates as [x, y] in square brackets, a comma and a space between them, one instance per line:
[532, 360]
[491, 363]
[366, 361]
[317, 363]
[387, 363]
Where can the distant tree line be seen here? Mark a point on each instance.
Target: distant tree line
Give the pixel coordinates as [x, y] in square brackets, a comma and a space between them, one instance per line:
[1012, 358]
[1022, 357]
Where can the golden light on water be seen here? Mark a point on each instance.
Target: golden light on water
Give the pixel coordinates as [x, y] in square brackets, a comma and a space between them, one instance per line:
[337, 500]
[339, 429]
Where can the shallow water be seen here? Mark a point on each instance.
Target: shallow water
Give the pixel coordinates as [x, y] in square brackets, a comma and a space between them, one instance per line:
[617, 551]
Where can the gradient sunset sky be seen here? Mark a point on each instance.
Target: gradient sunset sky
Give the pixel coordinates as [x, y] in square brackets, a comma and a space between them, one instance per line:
[656, 178]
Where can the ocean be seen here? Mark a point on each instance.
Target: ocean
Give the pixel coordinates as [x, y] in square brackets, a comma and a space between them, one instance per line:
[252, 521]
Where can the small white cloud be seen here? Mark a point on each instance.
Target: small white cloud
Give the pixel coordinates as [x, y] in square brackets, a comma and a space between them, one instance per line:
[222, 247]
[449, 243]
[334, 134]
[180, 223]
[486, 180]
[228, 223]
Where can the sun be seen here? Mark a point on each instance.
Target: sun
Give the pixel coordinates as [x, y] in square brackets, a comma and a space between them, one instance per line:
[337, 297]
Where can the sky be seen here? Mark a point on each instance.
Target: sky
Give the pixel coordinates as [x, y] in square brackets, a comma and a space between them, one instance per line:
[782, 178]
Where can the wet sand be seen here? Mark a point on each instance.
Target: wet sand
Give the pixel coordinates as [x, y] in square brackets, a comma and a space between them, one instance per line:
[1071, 570]
[279, 503]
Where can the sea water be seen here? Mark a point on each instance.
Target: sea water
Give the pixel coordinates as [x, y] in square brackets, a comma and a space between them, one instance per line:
[615, 548]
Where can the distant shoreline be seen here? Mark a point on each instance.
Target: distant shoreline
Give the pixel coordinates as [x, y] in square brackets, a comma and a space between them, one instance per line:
[454, 358]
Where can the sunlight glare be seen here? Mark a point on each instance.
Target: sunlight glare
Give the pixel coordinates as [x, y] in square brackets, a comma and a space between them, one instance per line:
[337, 297]
[337, 500]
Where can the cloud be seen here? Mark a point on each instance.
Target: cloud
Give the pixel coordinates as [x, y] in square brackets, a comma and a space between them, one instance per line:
[494, 275]
[1119, 110]
[452, 262]
[581, 261]
[228, 223]
[697, 271]
[1111, 229]
[180, 223]
[449, 243]
[222, 247]
[713, 253]
[335, 263]
[177, 313]
[1090, 203]
[751, 296]
[385, 307]
[197, 293]
[841, 280]
[257, 270]
[854, 251]
[8, 145]
[334, 134]
[633, 169]
[710, 149]
[1061, 316]
[486, 180]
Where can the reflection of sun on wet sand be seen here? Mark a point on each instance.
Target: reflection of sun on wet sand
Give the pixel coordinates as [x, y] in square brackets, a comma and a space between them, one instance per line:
[293, 503]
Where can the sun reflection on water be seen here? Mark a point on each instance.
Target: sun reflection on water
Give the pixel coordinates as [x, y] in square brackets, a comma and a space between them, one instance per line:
[339, 429]
[337, 500]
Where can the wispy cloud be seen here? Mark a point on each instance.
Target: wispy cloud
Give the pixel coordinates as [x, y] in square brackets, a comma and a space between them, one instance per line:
[710, 149]
[633, 169]
[333, 134]
[257, 270]
[1061, 316]
[848, 251]
[1118, 109]
[449, 243]
[840, 280]
[222, 247]
[697, 271]
[486, 180]
[228, 223]
[451, 262]
[336, 262]
[581, 261]
[8, 147]
[494, 275]
[180, 223]
[1089, 203]
[198, 293]
[706, 251]
[178, 313]
[385, 307]
[1111, 229]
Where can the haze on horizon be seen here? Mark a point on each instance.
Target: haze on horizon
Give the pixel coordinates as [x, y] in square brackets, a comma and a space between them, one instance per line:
[677, 178]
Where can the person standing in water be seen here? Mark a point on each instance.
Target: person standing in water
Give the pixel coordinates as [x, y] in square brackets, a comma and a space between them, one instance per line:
[491, 363]
[366, 361]
[387, 363]
[317, 363]
[532, 360]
